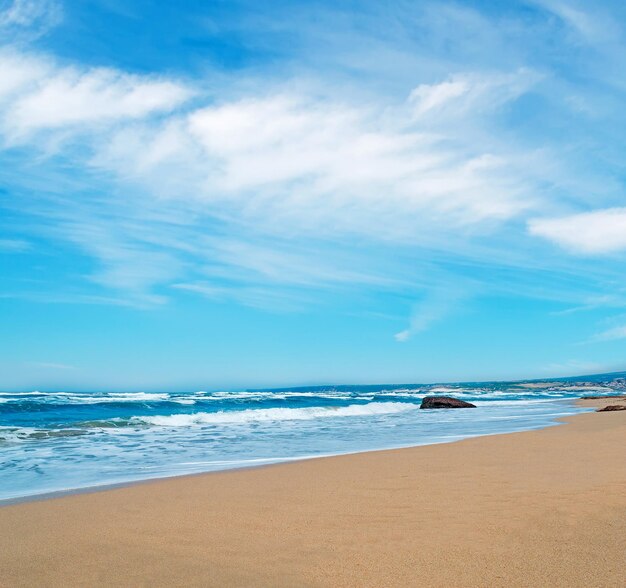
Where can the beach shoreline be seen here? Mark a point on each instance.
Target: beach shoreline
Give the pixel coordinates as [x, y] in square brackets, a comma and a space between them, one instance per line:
[101, 487]
[541, 507]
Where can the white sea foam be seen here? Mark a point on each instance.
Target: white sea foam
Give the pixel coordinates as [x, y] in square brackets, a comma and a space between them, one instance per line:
[274, 414]
[76, 398]
[513, 402]
[34, 393]
[137, 396]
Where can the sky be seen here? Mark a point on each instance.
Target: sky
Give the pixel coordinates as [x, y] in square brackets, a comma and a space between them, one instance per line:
[230, 194]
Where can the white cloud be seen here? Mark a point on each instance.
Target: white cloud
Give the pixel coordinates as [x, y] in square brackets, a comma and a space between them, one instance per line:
[287, 163]
[284, 162]
[592, 26]
[19, 71]
[473, 93]
[611, 334]
[39, 95]
[267, 298]
[589, 233]
[128, 262]
[325, 171]
[284, 157]
[329, 164]
[29, 13]
[304, 159]
[276, 264]
[435, 306]
[426, 97]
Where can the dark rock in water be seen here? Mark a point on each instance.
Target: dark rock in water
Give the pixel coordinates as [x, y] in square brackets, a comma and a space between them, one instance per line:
[445, 402]
[612, 407]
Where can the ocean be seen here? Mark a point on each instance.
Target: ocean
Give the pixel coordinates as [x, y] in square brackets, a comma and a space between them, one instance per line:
[59, 441]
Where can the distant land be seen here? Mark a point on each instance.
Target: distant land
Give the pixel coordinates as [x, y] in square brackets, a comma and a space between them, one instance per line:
[616, 379]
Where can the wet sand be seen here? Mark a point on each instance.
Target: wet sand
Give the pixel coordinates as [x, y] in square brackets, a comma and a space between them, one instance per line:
[539, 508]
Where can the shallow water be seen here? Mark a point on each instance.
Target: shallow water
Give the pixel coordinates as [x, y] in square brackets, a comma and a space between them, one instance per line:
[69, 440]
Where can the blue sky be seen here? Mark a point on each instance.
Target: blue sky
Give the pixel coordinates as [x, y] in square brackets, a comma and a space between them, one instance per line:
[245, 194]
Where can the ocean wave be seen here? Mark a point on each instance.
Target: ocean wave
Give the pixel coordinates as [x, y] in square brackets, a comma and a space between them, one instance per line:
[274, 414]
[116, 397]
[18, 434]
[201, 395]
[33, 393]
[77, 398]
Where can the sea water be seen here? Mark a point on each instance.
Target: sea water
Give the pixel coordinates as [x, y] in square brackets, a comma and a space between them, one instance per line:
[56, 441]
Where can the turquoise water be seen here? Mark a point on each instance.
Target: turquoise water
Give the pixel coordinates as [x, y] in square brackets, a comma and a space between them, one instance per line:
[69, 440]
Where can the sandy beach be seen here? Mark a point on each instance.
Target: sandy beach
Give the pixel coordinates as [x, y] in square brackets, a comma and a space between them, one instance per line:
[538, 508]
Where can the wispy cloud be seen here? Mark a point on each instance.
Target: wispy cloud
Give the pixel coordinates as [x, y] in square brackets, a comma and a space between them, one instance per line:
[14, 245]
[271, 167]
[575, 366]
[436, 305]
[309, 177]
[46, 365]
[267, 298]
[592, 26]
[594, 303]
[610, 334]
[33, 17]
[40, 95]
[470, 94]
[590, 233]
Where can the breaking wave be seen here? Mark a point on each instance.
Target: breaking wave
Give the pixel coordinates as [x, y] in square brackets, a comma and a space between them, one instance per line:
[274, 414]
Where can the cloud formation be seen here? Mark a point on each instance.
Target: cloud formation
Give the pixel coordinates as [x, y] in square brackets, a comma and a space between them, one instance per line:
[385, 174]
[38, 96]
[268, 166]
[30, 14]
[612, 334]
[309, 160]
[437, 305]
[597, 232]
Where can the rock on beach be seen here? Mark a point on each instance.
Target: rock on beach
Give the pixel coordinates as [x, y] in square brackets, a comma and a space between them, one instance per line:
[445, 402]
